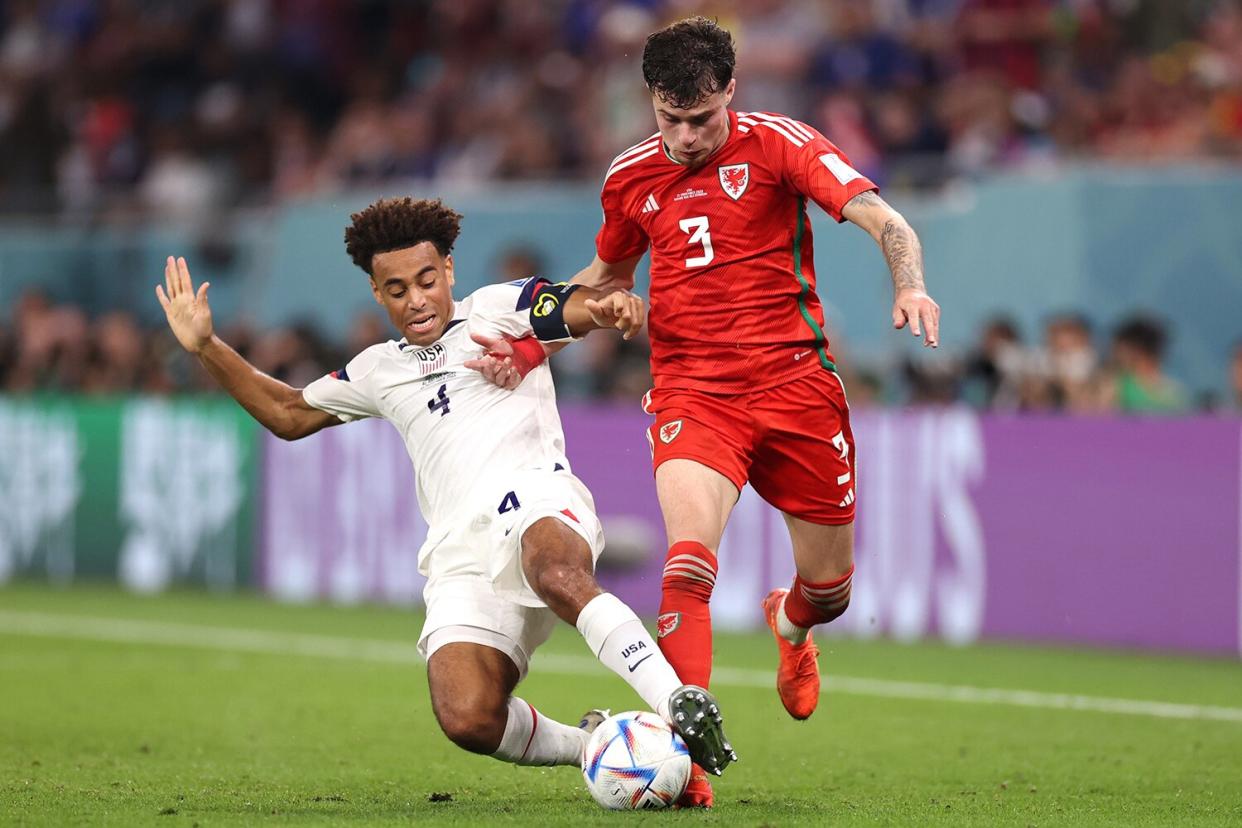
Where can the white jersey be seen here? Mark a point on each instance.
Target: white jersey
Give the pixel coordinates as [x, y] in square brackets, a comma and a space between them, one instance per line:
[462, 433]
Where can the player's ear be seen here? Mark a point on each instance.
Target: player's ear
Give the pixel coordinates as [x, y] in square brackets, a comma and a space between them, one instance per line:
[375, 291]
[729, 90]
[448, 268]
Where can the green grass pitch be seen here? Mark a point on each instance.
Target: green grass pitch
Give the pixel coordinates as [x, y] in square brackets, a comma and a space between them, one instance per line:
[191, 710]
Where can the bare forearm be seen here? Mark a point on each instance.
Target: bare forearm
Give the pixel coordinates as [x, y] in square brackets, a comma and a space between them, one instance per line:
[273, 403]
[578, 319]
[607, 277]
[590, 276]
[903, 253]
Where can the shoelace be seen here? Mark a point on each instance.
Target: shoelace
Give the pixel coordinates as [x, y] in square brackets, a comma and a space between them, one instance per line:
[807, 660]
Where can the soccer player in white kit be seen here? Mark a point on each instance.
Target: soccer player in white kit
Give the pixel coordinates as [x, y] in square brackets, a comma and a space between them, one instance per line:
[513, 535]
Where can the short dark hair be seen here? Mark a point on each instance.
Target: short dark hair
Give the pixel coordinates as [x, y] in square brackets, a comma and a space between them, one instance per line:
[397, 223]
[688, 61]
[1144, 333]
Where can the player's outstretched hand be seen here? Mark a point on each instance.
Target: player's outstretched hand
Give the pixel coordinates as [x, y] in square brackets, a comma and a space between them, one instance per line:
[188, 313]
[621, 310]
[918, 310]
[496, 364]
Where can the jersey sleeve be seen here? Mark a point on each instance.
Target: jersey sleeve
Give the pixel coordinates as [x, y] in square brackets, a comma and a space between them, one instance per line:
[523, 308]
[618, 238]
[347, 392]
[814, 167]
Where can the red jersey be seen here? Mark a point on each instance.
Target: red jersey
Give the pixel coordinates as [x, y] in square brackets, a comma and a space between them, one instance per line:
[732, 300]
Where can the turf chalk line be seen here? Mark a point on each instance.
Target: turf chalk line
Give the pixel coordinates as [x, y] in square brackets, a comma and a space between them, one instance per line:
[118, 631]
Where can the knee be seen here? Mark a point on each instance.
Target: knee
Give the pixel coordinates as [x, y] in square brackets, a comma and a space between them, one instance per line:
[561, 584]
[472, 723]
[557, 564]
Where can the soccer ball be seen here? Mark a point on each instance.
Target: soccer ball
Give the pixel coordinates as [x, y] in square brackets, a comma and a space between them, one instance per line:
[634, 760]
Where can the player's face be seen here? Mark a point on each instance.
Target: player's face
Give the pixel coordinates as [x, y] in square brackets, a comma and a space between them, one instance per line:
[692, 135]
[415, 286]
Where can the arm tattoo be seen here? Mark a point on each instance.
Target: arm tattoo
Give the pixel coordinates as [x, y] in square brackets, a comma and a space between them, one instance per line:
[903, 253]
[869, 198]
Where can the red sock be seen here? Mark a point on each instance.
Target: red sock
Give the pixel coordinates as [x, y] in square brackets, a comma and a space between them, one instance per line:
[684, 628]
[809, 604]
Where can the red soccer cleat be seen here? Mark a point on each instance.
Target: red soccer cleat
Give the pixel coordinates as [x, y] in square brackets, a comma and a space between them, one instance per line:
[797, 677]
[698, 793]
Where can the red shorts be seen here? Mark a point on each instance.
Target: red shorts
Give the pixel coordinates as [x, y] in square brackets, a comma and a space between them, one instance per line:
[792, 443]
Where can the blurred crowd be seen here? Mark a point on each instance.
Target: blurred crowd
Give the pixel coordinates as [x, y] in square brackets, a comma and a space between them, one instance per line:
[46, 347]
[183, 107]
[1064, 370]
[191, 108]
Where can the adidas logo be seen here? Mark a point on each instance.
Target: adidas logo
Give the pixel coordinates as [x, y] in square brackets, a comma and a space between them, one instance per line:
[650, 206]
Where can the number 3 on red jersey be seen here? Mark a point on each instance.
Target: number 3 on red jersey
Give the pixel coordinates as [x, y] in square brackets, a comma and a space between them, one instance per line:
[697, 228]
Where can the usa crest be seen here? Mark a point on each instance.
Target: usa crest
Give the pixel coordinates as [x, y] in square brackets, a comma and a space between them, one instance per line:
[733, 179]
[669, 431]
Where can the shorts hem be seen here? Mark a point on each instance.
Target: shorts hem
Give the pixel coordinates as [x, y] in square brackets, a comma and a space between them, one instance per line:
[432, 640]
[818, 520]
[558, 514]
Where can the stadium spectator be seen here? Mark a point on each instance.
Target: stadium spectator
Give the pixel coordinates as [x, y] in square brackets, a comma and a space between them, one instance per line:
[995, 372]
[1065, 370]
[1139, 383]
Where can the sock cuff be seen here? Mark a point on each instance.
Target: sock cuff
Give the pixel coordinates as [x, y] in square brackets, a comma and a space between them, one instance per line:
[519, 733]
[826, 585]
[691, 561]
[810, 603]
[602, 615]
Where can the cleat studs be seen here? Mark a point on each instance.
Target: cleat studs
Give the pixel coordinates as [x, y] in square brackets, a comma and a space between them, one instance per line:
[681, 717]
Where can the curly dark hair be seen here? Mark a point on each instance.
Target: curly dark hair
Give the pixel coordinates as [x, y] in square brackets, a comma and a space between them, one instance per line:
[396, 223]
[689, 60]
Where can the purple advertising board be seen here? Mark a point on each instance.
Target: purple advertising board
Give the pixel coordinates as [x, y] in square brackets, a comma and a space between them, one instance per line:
[1120, 532]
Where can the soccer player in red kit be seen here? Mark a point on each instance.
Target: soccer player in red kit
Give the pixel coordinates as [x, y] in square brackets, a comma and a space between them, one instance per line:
[745, 386]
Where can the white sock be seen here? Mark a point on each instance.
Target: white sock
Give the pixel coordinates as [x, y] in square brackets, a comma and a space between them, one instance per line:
[533, 739]
[622, 643]
[789, 631]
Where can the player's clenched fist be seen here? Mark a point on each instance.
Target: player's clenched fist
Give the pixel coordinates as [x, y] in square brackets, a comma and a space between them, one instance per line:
[188, 313]
[621, 310]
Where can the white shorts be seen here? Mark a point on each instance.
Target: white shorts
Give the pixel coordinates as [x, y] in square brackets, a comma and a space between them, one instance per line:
[476, 591]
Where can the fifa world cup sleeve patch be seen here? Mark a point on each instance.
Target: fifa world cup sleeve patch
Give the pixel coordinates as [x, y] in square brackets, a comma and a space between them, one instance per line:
[547, 310]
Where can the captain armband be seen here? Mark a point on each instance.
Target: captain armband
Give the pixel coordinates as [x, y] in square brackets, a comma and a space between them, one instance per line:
[547, 311]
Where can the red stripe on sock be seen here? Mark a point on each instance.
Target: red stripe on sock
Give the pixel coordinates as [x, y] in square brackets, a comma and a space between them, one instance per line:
[534, 724]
